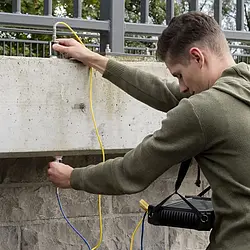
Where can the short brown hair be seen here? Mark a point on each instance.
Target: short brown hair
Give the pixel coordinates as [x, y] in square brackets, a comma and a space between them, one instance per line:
[186, 30]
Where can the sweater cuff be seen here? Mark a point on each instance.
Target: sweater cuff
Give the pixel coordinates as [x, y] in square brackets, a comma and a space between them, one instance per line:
[76, 181]
[113, 68]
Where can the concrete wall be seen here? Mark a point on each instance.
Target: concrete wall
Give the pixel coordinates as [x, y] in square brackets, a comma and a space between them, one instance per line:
[39, 99]
[30, 218]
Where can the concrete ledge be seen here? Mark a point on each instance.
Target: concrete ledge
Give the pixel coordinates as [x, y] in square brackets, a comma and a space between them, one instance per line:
[41, 101]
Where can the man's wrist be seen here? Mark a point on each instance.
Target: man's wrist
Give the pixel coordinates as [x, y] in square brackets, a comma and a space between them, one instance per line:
[98, 62]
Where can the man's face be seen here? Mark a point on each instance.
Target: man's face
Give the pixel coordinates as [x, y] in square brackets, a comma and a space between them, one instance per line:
[195, 75]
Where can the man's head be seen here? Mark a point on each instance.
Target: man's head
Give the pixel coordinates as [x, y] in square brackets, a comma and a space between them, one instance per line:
[195, 50]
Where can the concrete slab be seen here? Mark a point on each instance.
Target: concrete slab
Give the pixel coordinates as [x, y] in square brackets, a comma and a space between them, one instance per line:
[40, 112]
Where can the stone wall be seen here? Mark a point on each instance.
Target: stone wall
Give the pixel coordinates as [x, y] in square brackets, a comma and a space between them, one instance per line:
[30, 218]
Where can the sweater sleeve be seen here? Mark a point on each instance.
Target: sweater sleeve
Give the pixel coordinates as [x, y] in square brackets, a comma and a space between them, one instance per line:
[145, 87]
[179, 138]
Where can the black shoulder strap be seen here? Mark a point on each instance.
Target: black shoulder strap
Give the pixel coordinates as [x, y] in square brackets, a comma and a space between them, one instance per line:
[204, 191]
[182, 173]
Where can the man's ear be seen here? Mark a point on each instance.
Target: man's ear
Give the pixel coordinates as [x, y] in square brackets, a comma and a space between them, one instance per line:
[196, 55]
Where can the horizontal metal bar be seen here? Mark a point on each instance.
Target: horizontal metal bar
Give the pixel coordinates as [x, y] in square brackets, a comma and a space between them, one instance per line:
[239, 46]
[242, 55]
[141, 39]
[48, 21]
[22, 41]
[94, 45]
[46, 32]
[237, 35]
[140, 48]
[152, 29]
[126, 54]
[141, 28]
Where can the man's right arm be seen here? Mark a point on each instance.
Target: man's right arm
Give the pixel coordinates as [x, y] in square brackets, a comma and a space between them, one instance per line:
[145, 87]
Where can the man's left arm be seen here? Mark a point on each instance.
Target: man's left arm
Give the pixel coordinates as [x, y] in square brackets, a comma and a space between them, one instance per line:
[180, 138]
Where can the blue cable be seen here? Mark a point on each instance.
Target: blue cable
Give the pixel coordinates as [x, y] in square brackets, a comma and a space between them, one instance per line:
[142, 229]
[65, 217]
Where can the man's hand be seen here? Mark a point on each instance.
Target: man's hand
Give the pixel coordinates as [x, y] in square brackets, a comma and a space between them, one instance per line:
[73, 49]
[59, 174]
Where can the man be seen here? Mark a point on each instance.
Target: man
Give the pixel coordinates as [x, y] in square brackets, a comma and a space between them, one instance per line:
[212, 124]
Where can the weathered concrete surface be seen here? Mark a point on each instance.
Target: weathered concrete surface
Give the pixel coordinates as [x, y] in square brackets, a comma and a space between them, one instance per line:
[38, 114]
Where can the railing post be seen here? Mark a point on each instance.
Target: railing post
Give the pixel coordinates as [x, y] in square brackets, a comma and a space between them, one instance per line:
[117, 26]
[169, 10]
[77, 9]
[16, 6]
[193, 5]
[240, 15]
[218, 11]
[144, 11]
[48, 7]
[105, 7]
[113, 10]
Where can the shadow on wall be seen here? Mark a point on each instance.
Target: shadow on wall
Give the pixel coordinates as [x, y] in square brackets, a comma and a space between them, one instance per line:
[22, 170]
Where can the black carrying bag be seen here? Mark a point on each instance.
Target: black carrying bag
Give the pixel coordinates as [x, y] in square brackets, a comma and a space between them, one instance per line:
[191, 212]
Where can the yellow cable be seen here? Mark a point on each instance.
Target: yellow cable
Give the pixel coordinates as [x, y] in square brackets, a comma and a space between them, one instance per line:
[102, 149]
[103, 154]
[97, 133]
[134, 233]
[144, 205]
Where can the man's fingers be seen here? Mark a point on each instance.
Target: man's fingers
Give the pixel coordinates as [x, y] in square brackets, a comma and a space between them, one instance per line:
[51, 168]
[60, 48]
[66, 41]
[51, 172]
[51, 164]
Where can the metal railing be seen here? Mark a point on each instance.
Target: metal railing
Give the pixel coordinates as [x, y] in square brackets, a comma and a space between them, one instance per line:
[109, 30]
[34, 48]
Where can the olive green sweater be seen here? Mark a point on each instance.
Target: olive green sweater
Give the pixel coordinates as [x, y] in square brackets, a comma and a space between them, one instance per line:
[213, 127]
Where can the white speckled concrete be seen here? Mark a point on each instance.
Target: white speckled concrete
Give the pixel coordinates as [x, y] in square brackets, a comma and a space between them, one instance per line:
[38, 114]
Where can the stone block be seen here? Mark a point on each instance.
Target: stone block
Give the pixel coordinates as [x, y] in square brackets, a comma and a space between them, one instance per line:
[117, 233]
[40, 203]
[9, 238]
[185, 239]
[119, 229]
[57, 235]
